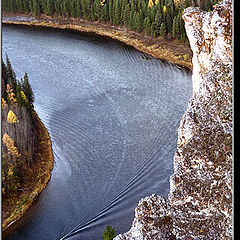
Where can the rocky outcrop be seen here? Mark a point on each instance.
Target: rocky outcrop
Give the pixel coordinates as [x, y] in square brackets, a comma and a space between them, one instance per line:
[199, 205]
[152, 221]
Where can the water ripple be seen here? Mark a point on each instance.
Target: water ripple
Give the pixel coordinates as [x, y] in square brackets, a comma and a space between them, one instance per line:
[112, 113]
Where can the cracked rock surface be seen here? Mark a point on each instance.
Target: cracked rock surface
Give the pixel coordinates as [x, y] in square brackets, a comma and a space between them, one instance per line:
[199, 205]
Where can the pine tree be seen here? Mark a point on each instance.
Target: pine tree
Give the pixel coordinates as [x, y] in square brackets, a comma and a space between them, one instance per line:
[36, 10]
[27, 89]
[174, 27]
[137, 22]
[109, 233]
[86, 9]
[49, 7]
[131, 24]
[147, 25]
[106, 12]
[117, 12]
[157, 23]
[111, 11]
[26, 8]
[163, 30]
[19, 6]
[78, 9]
[11, 74]
[126, 15]
[4, 72]
[20, 100]
[66, 8]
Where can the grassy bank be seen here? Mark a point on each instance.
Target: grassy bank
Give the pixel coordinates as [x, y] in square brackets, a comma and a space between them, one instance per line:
[15, 207]
[162, 48]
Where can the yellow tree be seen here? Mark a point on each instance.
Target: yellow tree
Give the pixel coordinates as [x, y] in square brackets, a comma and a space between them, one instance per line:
[11, 117]
[164, 9]
[24, 97]
[12, 149]
[4, 103]
[11, 94]
[150, 3]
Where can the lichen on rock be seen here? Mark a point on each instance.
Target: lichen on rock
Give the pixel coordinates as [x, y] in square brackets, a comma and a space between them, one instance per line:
[152, 220]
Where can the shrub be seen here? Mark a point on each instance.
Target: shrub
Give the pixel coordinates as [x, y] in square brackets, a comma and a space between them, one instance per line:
[109, 233]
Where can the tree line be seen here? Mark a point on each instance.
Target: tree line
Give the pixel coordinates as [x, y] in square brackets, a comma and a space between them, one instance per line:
[18, 129]
[153, 17]
[22, 90]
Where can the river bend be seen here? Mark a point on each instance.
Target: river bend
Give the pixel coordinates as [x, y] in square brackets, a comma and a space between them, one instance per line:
[112, 113]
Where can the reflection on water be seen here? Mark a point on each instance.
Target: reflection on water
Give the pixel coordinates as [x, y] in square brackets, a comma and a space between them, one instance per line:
[112, 113]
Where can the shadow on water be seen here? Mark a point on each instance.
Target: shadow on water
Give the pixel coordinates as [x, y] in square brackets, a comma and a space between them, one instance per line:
[112, 113]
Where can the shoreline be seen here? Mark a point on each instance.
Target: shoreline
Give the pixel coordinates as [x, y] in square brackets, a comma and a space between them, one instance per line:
[159, 50]
[44, 166]
[164, 49]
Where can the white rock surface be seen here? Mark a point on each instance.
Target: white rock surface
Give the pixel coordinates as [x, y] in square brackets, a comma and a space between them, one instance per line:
[199, 205]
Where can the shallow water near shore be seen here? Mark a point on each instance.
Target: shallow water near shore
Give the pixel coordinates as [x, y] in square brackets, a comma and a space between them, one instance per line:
[112, 113]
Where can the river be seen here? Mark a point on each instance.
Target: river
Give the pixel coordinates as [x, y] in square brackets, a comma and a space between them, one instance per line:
[112, 113]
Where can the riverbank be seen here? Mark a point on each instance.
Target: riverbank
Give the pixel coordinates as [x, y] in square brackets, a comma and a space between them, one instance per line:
[167, 49]
[15, 210]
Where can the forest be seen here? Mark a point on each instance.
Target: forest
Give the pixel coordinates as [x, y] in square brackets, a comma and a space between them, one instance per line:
[26, 156]
[18, 131]
[152, 17]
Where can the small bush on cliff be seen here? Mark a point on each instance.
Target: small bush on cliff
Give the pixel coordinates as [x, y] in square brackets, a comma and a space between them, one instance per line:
[109, 233]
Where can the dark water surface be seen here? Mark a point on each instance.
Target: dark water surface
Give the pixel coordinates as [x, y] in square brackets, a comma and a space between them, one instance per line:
[112, 113]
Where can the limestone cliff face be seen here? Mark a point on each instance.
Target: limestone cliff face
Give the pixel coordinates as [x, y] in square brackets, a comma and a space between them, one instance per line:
[199, 205]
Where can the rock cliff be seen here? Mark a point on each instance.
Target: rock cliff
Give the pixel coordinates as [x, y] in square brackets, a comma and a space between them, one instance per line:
[199, 205]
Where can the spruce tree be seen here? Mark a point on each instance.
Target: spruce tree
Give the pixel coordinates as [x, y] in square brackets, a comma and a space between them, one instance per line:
[106, 12]
[137, 22]
[20, 100]
[11, 74]
[49, 7]
[131, 21]
[126, 15]
[163, 30]
[157, 23]
[111, 11]
[147, 25]
[27, 89]
[36, 10]
[174, 27]
[117, 12]
[4, 72]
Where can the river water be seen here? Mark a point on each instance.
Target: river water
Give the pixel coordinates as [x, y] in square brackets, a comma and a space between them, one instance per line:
[112, 113]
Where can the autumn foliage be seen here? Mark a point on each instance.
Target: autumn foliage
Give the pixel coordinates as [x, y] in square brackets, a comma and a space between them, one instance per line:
[11, 117]
[10, 145]
[18, 135]
[11, 94]
[4, 103]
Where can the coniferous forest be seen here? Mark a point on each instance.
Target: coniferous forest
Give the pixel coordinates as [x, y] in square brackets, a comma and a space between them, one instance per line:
[18, 130]
[25, 146]
[153, 17]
